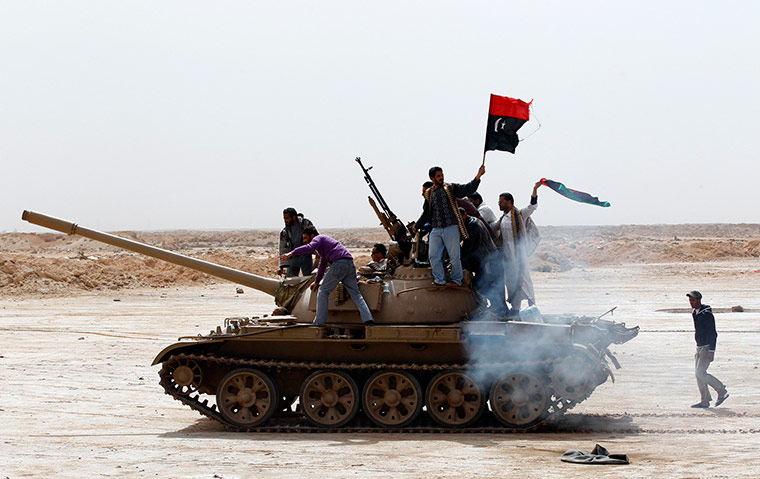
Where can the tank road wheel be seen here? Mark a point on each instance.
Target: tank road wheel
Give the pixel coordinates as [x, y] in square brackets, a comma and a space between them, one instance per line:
[247, 397]
[519, 399]
[185, 375]
[454, 399]
[572, 380]
[392, 398]
[329, 398]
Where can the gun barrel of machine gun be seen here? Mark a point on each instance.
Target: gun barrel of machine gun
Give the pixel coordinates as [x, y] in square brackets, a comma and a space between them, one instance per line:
[373, 188]
[392, 225]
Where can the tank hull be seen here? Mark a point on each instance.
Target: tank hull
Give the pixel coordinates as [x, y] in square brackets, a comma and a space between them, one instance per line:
[491, 363]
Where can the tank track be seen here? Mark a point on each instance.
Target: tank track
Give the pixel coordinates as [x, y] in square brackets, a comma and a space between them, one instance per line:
[488, 423]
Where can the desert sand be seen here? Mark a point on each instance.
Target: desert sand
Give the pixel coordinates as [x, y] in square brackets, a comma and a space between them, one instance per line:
[82, 400]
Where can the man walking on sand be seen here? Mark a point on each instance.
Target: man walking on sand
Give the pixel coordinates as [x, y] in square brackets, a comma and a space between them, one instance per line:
[706, 337]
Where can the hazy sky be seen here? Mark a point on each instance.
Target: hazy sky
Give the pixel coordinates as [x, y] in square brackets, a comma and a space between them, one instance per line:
[216, 115]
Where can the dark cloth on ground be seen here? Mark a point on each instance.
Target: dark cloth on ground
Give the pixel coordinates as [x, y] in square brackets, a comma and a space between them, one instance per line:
[598, 455]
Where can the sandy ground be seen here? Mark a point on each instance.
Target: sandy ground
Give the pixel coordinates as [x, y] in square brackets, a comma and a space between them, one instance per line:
[81, 399]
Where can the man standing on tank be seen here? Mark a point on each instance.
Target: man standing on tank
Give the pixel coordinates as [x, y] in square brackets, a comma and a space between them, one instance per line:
[480, 256]
[441, 211]
[291, 237]
[512, 235]
[707, 337]
[342, 270]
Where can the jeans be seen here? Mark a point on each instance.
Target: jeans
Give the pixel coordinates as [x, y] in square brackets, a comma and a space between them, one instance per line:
[447, 238]
[343, 271]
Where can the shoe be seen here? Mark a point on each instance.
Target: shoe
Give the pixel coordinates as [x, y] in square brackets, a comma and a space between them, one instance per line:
[438, 284]
[369, 323]
[453, 284]
[701, 405]
[721, 397]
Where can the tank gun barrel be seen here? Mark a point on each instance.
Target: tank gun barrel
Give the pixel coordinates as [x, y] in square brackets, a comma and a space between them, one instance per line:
[266, 285]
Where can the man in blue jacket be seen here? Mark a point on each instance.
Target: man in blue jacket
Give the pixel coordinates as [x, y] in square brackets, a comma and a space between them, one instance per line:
[706, 337]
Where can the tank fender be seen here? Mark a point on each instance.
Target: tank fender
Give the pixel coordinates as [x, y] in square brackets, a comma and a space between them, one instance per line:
[184, 347]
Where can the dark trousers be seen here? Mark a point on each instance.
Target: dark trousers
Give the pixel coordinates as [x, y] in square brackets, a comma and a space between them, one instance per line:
[489, 282]
[303, 264]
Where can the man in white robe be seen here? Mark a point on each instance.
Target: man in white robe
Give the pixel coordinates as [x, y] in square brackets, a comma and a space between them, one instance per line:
[511, 238]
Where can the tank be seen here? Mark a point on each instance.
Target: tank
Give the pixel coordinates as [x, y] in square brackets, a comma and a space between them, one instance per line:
[427, 365]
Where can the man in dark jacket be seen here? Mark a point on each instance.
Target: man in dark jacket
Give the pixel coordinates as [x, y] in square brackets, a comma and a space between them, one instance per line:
[480, 257]
[707, 338]
[291, 237]
[448, 227]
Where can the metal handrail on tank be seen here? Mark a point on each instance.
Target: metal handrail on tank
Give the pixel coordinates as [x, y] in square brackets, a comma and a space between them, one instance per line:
[266, 285]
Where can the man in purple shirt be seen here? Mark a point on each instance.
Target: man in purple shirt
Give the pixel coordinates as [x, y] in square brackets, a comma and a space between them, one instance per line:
[342, 269]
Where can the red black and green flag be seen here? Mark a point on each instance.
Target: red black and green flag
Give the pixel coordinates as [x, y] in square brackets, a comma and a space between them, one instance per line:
[574, 194]
[505, 116]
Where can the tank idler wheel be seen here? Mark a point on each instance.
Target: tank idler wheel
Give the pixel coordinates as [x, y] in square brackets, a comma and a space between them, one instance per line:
[519, 399]
[185, 375]
[247, 397]
[329, 398]
[392, 398]
[454, 399]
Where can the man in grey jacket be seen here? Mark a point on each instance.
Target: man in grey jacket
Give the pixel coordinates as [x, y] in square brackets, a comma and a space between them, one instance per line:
[291, 237]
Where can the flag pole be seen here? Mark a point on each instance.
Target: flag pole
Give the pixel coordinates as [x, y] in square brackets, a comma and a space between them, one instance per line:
[485, 140]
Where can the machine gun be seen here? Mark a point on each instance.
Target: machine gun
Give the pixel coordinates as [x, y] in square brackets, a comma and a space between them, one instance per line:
[395, 228]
